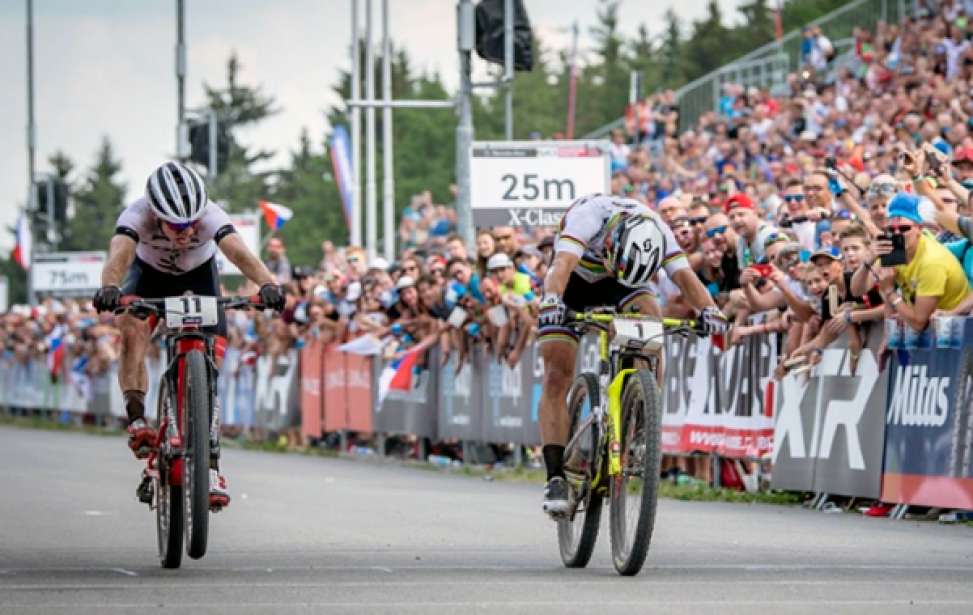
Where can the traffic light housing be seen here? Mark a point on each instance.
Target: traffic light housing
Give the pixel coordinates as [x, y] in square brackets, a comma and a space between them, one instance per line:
[489, 34]
[199, 144]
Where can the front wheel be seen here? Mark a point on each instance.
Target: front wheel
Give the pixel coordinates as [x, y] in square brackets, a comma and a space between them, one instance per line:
[634, 492]
[169, 523]
[196, 420]
[576, 535]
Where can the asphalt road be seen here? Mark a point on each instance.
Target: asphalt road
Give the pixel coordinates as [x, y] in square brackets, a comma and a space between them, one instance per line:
[307, 534]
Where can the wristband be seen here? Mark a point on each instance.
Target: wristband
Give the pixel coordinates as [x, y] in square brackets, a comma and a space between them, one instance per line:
[848, 317]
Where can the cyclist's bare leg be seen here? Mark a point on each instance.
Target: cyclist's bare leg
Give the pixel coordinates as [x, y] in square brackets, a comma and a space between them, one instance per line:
[132, 375]
[558, 358]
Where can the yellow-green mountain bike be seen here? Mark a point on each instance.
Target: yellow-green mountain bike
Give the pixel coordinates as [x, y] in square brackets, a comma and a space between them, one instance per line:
[615, 444]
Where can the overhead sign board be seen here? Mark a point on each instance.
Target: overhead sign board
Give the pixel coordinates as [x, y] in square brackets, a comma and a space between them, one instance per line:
[532, 183]
[67, 274]
[247, 226]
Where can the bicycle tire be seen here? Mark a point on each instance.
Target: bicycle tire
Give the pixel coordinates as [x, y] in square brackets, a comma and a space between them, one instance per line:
[576, 536]
[168, 506]
[641, 448]
[196, 415]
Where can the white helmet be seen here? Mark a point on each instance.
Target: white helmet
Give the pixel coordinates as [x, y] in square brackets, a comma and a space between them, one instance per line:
[636, 249]
[176, 193]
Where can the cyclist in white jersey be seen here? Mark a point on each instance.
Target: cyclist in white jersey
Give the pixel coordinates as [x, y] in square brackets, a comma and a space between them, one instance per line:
[606, 254]
[165, 245]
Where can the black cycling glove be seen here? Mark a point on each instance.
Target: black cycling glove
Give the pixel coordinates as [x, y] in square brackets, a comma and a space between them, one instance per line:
[272, 296]
[107, 298]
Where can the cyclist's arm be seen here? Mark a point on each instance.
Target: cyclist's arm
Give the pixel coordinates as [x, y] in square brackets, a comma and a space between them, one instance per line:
[121, 255]
[560, 272]
[237, 252]
[693, 290]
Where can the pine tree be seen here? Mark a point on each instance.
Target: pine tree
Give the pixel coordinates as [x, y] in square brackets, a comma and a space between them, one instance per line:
[672, 70]
[97, 203]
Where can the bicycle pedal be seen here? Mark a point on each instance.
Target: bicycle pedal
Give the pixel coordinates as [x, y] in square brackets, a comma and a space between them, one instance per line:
[145, 492]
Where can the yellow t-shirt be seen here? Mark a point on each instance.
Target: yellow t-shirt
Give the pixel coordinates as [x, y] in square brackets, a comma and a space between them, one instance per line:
[520, 286]
[933, 272]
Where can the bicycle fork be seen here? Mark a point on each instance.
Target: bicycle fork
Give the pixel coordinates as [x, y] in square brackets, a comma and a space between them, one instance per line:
[614, 434]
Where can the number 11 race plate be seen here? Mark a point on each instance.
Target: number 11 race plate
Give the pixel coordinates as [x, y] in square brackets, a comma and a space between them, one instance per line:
[191, 311]
[645, 334]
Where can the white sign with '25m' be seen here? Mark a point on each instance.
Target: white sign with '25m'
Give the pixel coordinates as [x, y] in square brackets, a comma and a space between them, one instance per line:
[513, 183]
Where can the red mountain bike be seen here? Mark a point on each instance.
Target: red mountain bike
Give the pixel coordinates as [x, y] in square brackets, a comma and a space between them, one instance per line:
[176, 478]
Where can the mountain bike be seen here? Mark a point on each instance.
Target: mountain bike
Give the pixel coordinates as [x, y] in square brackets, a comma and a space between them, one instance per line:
[176, 478]
[615, 444]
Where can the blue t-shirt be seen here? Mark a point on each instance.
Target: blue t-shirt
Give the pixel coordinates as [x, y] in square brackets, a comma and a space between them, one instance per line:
[961, 249]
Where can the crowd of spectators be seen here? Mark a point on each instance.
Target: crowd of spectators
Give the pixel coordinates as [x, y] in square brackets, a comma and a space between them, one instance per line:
[783, 203]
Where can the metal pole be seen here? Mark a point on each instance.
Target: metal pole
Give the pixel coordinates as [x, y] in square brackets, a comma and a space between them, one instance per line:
[51, 231]
[180, 79]
[213, 159]
[508, 67]
[388, 179]
[633, 99]
[371, 217]
[31, 144]
[464, 128]
[356, 209]
[572, 81]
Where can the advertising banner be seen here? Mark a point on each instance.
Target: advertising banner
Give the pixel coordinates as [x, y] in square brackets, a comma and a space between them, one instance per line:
[719, 401]
[409, 410]
[829, 433]
[461, 399]
[508, 401]
[929, 427]
[312, 402]
[358, 391]
[67, 274]
[532, 183]
[334, 392]
[277, 399]
[247, 226]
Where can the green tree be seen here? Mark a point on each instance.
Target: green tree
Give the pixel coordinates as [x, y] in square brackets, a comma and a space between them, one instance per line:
[757, 28]
[16, 281]
[307, 187]
[97, 203]
[711, 43]
[237, 105]
[672, 66]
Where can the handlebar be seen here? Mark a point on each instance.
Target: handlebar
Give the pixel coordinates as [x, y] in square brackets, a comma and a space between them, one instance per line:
[602, 318]
[157, 305]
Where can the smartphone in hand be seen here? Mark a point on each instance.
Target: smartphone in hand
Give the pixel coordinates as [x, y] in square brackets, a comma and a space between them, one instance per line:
[897, 256]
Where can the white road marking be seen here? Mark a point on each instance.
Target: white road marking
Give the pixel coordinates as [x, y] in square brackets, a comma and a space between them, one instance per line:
[127, 573]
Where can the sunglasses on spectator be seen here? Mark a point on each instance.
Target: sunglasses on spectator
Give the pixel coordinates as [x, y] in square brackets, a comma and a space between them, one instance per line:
[716, 230]
[698, 220]
[884, 188]
[181, 226]
[793, 198]
[899, 229]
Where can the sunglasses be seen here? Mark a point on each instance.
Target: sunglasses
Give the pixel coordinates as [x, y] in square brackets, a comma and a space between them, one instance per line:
[881, 189]
[900, 229]
[716, 230]
[793, 198]
[697, 221]
[181, 226]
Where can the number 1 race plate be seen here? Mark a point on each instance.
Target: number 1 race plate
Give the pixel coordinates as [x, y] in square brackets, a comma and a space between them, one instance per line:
[191, 311]
[644, 334]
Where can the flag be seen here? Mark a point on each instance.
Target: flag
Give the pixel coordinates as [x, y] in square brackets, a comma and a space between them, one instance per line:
[397, 375]
[365, 345]
[275, 215]
[343, 173]
[55, 352]
[21, 253]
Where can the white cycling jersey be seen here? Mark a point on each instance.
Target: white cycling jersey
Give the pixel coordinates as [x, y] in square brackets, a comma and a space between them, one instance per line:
[586, 224]
[158, 251]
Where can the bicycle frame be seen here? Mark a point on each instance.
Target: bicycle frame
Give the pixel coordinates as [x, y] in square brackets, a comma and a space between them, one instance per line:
[613, 382]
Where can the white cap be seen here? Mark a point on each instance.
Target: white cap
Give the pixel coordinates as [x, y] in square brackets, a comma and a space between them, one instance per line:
[353, 292]
[405, 282]
[379, 263]
[499, 261]
[320, 291]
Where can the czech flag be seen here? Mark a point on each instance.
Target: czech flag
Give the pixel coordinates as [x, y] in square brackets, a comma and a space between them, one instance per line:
[343, 173]
[275, 215]
[21, 253]
[397, 375]
[55, 352]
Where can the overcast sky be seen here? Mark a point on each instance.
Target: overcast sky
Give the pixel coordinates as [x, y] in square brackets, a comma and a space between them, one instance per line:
[106, 67]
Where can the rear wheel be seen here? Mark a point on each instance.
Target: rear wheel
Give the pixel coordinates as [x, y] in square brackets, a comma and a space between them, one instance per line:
[634, 493]
[168, 503]
[577, 534]
[196, 409]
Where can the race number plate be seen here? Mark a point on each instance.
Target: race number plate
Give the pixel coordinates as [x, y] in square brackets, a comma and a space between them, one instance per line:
[191, 311]
[644, 334]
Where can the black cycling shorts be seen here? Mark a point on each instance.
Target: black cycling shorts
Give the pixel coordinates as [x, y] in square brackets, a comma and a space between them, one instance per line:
[580, 295]
[145, 281]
